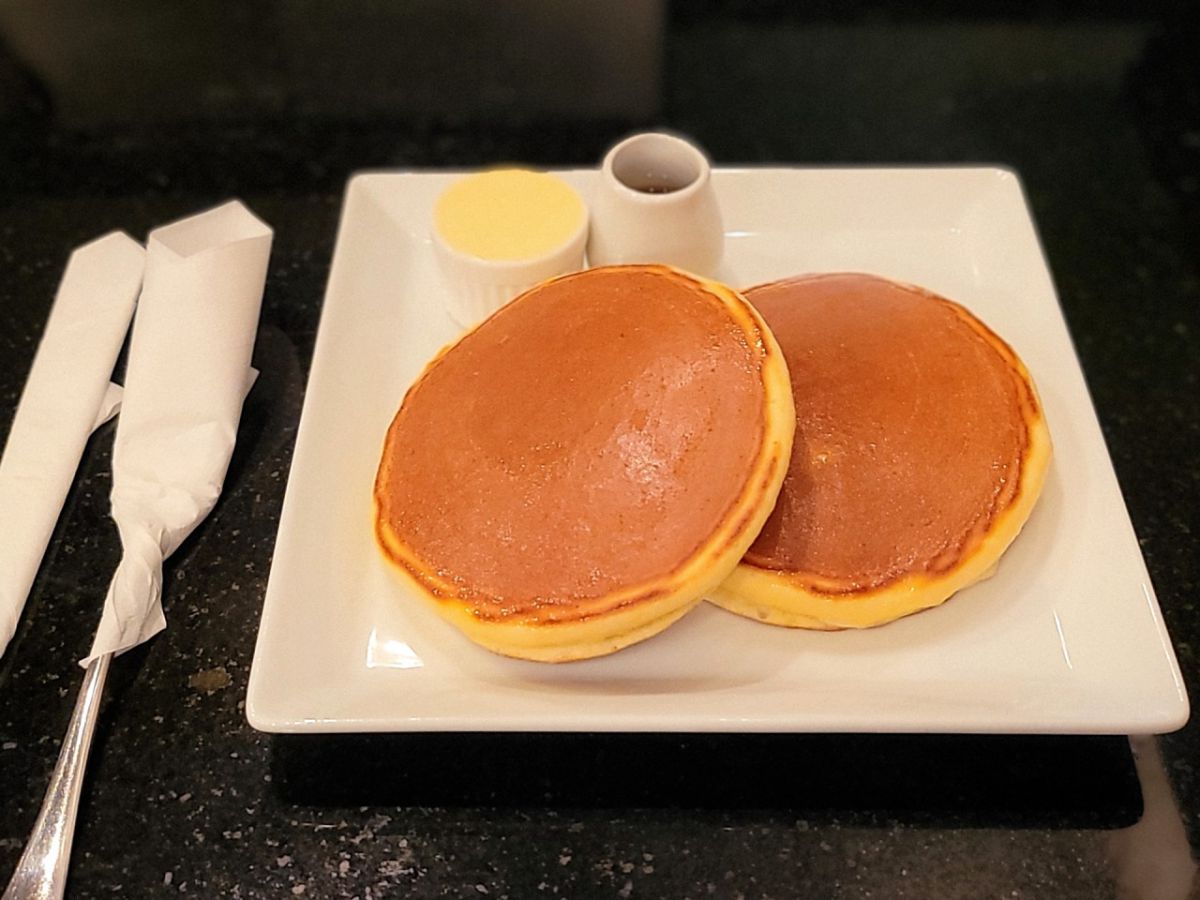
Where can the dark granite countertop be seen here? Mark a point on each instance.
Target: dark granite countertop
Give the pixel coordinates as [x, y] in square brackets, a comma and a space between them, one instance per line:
[134, 116]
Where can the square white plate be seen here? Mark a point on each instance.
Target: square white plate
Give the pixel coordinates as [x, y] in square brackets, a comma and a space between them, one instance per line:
[1066, 637]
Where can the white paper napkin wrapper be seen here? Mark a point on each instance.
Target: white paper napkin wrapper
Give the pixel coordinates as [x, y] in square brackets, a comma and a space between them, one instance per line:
[66, 396]
[186, 377]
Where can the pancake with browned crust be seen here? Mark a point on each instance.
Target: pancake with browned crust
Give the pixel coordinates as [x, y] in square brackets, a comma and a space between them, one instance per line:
[920, 450]
[574, 474]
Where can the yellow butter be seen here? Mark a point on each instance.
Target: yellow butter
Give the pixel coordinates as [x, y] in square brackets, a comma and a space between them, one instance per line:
[508, 214]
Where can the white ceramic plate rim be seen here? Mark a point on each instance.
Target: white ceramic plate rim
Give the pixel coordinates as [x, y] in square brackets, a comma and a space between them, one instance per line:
[1067, 637]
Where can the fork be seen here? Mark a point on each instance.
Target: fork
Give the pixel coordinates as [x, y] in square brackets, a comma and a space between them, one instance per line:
[41, 872]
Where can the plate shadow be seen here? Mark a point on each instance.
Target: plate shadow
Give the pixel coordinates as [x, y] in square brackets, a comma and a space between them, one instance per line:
[924, 780]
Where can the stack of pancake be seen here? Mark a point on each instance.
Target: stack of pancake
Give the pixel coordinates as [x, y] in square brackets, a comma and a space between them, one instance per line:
[585, 466]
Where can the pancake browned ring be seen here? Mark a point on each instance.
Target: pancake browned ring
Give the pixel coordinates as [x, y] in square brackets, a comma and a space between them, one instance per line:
[574, 474]
[920, 450]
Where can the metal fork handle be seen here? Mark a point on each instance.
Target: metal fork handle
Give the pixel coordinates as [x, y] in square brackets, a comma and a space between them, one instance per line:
[42, 869]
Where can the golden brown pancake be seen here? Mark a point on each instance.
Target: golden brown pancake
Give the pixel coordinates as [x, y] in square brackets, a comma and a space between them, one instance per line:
[919, 452]
[574, 474]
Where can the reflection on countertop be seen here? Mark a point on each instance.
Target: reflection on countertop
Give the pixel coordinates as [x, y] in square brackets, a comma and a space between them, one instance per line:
[1152, 859]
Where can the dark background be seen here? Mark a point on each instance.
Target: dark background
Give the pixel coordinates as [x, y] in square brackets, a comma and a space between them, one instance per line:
[131, 113]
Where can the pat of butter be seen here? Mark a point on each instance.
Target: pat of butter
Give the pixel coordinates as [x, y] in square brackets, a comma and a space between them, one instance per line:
[508, 214]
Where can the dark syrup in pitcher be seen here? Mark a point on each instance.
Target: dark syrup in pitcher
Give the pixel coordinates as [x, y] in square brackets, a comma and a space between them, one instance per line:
[654, 183]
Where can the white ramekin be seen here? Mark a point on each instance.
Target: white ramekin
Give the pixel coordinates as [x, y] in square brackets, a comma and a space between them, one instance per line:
[477, 287]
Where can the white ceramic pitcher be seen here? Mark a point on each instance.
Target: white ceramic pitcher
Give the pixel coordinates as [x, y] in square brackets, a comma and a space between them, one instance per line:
[655, 203]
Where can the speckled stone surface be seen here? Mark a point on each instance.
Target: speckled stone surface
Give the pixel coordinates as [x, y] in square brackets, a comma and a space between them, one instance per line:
[1101, 118]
